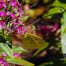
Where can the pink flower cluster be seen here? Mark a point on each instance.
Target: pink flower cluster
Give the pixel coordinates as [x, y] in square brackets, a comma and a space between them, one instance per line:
[3, 63]
[11, 17]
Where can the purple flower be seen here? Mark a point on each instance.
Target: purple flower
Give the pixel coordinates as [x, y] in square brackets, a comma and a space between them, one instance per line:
[55, 27]
[14, 0]
[3, 14]
[16, 55]
[2, 25]
[47, 28]
[2, 1]
[1, 5]
[20, 30]
[3, 63]
[14, 4]
[1, 60]
[13, 15]
[19, 27]
[15, 23]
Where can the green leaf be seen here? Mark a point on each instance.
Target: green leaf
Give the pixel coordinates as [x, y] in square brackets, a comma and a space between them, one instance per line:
[63, 42]
[63, 34]
[17, 14]
[31, 41]
[9, 7]
[0, 18]
[40, 49]
[19, 62]
[62, 20]
[57, 3]
[63, 27]
[25, 18]
[64, 16]
[18, 49]
[53, 11]
[2, 39]
[6, 49]
[47, 64]
[8, 25]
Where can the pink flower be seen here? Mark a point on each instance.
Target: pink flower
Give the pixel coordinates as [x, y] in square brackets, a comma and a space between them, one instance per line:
[2, 1]
[13, 15]
[3, 63]
[14, 0]
[3, 14]
[2, 25]
[20, 30]
[1, 60]
[14, 4]
[47, 28]
[1, 5]
[17, 27]
[16, 55]
[14, 24]
[55, 27]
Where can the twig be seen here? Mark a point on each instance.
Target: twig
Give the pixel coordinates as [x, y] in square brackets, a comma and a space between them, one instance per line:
[35, 21]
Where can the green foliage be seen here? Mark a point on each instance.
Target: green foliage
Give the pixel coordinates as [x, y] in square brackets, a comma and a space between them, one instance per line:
[19, 61]
[57, 3]
[2, 39]
[53, 11]
[59, 7]
[18, 50]
[40, 49]
[25, 18]
[63, 34]
[6, 49]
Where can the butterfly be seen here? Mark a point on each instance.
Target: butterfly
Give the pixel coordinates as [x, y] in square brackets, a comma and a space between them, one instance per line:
[31, 41]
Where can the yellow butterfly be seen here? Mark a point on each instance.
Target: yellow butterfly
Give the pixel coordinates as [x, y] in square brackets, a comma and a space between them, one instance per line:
[31, 41]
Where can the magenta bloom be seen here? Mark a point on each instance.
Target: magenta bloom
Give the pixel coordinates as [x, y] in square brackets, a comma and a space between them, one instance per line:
[13, 15]
[47, 28]
[2, 1]
[2, 25]
[3, 63]
[16, 24]
[3, 14]
[13, 3]
[14, 0]
[1, 5]
[20, 30]
[16, 55]
[18, 27]
[55, 27]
